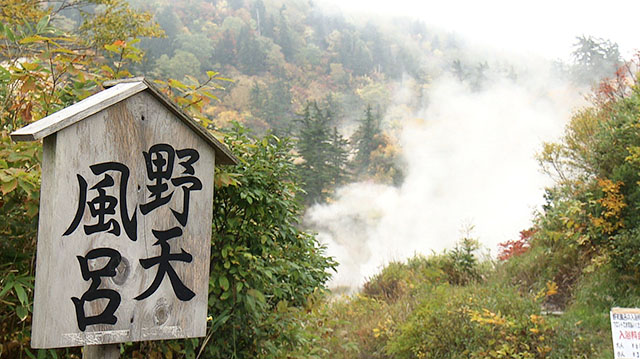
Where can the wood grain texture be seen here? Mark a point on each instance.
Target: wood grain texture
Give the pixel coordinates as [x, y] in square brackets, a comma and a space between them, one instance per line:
[109, 351]
[120, 133]
[77, 112]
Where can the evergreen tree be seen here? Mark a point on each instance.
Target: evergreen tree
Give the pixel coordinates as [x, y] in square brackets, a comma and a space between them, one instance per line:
[338, 159]
[324, 152]
[366, 139]
[284, 35]
[594, 59]
[459, 70]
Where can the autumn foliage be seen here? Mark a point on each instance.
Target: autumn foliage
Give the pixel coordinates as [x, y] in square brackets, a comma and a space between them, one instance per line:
[516, 247]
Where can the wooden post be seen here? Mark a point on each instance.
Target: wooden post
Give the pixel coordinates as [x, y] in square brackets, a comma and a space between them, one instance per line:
[105, 351]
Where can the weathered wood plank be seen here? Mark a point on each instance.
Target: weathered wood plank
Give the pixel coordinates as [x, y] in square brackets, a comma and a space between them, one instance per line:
[135, 125]
[79, 111]
[109, 351]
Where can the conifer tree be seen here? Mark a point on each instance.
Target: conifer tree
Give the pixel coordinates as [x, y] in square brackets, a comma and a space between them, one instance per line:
[338, 159]
[324, 153]
[366, 139]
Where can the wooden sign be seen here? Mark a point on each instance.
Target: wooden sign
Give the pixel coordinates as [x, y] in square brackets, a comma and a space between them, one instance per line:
[125, 220]
[625, 332]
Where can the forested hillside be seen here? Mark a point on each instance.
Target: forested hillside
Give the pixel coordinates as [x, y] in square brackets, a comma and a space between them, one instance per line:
[282, 55]
[302, 71]
[343, 87]
[310, 100]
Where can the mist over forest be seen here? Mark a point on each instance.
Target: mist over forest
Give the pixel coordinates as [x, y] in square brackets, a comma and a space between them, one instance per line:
[408, 135]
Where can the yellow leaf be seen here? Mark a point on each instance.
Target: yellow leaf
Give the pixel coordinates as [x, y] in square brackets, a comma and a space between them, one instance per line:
[29, 66]
[176, 83]
[552, 288]
[63, 50]
[112, 48]
[107, 69]
[31, 39]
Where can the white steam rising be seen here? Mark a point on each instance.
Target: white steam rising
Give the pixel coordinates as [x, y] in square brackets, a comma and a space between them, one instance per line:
[470, 159]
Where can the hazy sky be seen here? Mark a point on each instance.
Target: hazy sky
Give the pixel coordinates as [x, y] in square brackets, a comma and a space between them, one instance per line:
[543, 27]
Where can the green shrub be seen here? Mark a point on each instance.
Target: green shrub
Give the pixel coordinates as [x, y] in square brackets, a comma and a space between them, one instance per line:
[344, 327]
[390, 284]
[460, 265]
[263, 267]
[398, 279]
[475, 321]
[625, 254]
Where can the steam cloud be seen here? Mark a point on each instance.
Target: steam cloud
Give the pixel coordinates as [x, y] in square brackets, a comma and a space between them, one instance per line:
[470, 160]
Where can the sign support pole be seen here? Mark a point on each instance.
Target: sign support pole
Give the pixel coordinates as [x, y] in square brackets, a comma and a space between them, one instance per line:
[104, 351]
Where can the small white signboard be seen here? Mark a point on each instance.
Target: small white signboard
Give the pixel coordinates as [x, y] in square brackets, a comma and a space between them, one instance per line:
[625, 331]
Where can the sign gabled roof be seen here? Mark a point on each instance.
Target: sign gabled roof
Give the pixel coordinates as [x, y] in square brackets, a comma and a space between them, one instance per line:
[119, 90]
